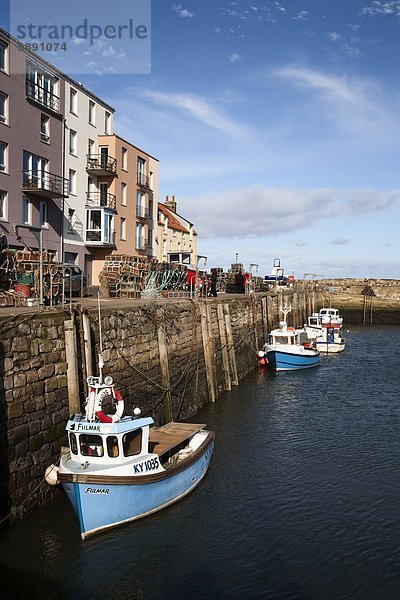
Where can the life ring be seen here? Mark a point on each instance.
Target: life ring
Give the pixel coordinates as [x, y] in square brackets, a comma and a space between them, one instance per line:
[117, 399]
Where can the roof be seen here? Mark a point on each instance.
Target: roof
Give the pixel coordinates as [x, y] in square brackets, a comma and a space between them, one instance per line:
[173, 222]
[129, 144]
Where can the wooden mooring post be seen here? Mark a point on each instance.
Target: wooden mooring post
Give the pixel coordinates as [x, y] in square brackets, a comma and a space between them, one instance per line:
[164, 367]
[72, 366]
[231, 347]
[224, 347]
[264, 309]
[208, 353]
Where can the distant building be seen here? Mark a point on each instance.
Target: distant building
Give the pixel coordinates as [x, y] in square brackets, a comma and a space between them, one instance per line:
[174, 232]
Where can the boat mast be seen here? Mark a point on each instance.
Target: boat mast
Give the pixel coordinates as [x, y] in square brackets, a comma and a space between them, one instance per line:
[101, 363]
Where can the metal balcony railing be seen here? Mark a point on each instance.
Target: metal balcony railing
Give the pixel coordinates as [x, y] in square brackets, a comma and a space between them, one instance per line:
[142, 212]
[101, 200]
[47, 185]
[101, 164]
[141, 245]
[142, 180]
[39, 94]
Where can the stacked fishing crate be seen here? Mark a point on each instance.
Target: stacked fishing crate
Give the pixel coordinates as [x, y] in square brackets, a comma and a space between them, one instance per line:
[124, 276]
[231, 277]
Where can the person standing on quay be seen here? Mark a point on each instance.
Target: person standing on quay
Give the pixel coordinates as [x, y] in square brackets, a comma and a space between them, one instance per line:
[213, 288]
[239, 280]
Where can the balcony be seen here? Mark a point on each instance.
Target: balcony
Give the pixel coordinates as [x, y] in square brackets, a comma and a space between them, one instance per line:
[41, 96]
[142, 212]
[141, 245]
[142, 180]
[45, 185]
[100, 238]
[101, 200]
[101, 165]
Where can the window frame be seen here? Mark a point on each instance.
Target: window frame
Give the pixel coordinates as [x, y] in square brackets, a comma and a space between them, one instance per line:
[43, 214]
[92, 113]
[26, 207]
[124, 159]
[4, 164]
[72, 182]
[73, 101]
[3, 56]
[124, 196]
[3, 205]
[72, 146]
[4, 118]
[45, 135]
[122, 229]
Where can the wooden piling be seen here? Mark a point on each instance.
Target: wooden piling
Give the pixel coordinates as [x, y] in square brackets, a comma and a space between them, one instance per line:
[212, 349]
[207, 352]
[224, 348]
[72, 367]
[231, 347]
[264, 310]
[164, 367]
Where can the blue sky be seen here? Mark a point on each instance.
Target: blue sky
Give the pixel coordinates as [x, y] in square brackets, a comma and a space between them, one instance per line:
[277, 127]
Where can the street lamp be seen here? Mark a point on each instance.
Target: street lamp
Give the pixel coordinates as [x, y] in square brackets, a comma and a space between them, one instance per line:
[38, 233]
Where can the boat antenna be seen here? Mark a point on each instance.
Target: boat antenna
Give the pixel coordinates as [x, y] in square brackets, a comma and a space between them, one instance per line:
[285, 309]
[101, 363]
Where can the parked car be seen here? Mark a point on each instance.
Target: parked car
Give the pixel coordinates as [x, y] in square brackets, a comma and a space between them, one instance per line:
[75, 280]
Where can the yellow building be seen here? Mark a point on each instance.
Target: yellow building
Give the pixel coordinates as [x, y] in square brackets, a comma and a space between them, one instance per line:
[174, 233]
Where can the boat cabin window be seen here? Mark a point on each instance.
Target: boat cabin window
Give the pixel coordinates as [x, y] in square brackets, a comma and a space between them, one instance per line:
[302, 338]
[72, 443]
[91, 445]
[132, 442]
[112, 446]
[281, 340]
[313, 321]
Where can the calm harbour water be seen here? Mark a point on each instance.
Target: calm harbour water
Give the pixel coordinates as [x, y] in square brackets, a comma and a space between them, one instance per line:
[302, 500]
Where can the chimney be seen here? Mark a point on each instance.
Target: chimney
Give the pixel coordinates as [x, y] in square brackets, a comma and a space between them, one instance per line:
[171, 204]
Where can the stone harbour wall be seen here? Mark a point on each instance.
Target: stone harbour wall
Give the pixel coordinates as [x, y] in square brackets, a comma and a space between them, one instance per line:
[167, 357]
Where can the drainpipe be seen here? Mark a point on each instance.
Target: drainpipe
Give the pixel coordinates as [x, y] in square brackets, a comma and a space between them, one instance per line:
[63, 199]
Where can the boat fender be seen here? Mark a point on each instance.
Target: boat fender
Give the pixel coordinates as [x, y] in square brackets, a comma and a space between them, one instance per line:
[307, 345]
[117, 416]
[51, 475]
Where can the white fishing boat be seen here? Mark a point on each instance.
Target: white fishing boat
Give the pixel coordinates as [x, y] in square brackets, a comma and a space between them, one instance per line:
[288, 348]
[120, 468]
[324, 329]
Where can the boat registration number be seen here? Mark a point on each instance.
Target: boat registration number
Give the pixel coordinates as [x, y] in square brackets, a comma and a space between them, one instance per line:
[147, 465]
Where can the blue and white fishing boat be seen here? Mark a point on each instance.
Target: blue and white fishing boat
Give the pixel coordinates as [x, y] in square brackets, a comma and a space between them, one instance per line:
[324, 329]
[117, 468]
[288, 348]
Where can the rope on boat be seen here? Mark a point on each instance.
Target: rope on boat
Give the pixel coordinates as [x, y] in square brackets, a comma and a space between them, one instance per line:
[14, 510]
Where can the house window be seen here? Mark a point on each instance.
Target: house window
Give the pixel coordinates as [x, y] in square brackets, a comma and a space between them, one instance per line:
[71, 220]
[107, 122]
[151, 180]
[139, 237]
[3, 108]
[124, 159]
[122, 230]
[103, 188]
[72, 142]
[44, 128]
[73, 101]
[123, 194]
[3, 206]
[43, 213]
[72, 182]
[3, 56]
[3, 157]
[91, 147]
[140, 205]
[34, 168]
[150, 238]
[26, 211]
[92, 112]
[141, 168]
[42, 87]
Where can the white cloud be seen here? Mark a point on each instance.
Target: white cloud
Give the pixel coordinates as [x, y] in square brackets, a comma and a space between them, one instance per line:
[234, 57]
[182, 12]
[334, 36]
[199, 108]
[301, 16]
[382, 8]
[340, 241]
[268, 212]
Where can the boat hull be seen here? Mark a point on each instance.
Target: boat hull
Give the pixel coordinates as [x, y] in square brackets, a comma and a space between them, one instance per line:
[330, 347]
[287, 361]
[100, 506]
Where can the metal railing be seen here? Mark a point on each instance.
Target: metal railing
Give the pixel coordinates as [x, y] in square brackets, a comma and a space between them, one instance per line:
[101, 200]
[142, 180]
[42, 96]
[44, 184]
[101, 162]
[141, 211]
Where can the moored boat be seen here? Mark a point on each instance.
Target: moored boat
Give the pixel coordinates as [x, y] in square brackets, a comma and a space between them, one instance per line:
[118, 469]
[288, 348]
[324, 329]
